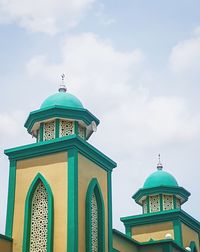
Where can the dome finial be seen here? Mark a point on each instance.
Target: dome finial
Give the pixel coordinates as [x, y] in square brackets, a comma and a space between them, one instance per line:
[62, 87]
[159, 165]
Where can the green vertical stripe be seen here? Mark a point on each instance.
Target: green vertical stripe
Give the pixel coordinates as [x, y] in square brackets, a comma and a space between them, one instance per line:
[148, 206]
[41, 132]
[161, 202]
[11, 199]
[72, 234]
[178, 232]
[57, 128]
[110, 238]
[76, 128]
[174, 201]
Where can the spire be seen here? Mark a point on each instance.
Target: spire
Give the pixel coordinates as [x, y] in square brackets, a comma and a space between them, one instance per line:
[62, 87]
[159, 165]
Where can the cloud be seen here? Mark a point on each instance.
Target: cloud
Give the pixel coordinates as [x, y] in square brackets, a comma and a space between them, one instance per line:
[185, 56]
[112, 84]
[48, 16]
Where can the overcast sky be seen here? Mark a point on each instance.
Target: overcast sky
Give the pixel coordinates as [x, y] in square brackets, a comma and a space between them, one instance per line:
[134, 64]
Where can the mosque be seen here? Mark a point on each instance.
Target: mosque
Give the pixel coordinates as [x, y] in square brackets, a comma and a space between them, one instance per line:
[60, 199]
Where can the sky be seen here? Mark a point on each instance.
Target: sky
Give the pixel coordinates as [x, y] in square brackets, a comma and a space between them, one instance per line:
[134, 64]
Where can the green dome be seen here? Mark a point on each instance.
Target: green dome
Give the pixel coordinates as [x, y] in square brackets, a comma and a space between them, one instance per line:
[160, 178]
[62, 99]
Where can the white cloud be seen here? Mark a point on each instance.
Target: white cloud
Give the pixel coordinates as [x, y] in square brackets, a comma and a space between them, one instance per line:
[185, 56]
[112, 82]
[46, 16]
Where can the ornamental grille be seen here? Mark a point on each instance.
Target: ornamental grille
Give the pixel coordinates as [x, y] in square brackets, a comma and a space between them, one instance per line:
[154, 202]
[66, 128]
[144, 203]
[178, 203]
[168, 202]
[49, 130]
[94, 224]
[81, 132]
[38, 135]
[39, 220]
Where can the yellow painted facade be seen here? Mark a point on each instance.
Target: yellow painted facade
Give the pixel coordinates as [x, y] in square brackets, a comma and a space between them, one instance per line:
[54, 169]
[86, 171]
[189, 235]
[152, 231]
[123, 245]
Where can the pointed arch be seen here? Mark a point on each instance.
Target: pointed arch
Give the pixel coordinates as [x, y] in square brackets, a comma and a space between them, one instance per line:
[94, 199]
[39, 181]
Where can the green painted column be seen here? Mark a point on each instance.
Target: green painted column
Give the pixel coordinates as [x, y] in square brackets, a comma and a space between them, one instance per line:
[72, 223]
[128, 231]
[161, 202]
[57, 133]
[178, 232]
[11, 199]
[110, 238]
[41, 132]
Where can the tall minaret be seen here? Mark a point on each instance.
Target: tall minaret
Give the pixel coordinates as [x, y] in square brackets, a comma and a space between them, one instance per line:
[60, 187]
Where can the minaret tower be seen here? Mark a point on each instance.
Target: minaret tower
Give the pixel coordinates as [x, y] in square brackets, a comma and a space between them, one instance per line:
[59, 195]
[162, 218]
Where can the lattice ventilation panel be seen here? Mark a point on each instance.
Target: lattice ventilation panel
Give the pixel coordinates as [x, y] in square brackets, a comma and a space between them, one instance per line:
[178, 203]
[154, 203]
[81, 131]
[49, 130]
[39, 220]
[144, 203]
[66, 128]
[168, 202]
[94, 223]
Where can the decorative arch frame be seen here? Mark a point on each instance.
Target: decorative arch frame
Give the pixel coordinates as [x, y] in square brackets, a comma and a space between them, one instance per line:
[27, 218]
[94, 187]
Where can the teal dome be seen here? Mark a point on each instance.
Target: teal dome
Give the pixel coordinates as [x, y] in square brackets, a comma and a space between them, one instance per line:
[160, 178]
[62, 99]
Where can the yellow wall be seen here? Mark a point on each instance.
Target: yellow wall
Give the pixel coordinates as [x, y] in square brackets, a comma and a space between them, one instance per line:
[86, 171]
[152, 231]
[123, 245]
[54, 168]
[189, 235]
[5, 246]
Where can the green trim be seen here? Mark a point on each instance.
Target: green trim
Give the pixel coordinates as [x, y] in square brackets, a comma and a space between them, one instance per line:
[164, 216]
[76, 128]
[4, 237]
[59, 112]
[178, 232]
[57, 133]
[174, 201]
[27, 217]
[128, 231]
[184, 194]
[11, 199]
[62, 144]
[72, 225]
[148, 205]
[95, 188]
[41, 132]
[161, 202]
[193, 246]
[109, 192]
[152, 244]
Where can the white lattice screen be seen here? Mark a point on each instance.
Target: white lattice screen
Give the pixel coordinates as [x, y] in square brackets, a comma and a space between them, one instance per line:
[154, 202]
[39, 220]
[168, 202]
[66, 128]
[49, 130]
[144, 203]
[94, 224]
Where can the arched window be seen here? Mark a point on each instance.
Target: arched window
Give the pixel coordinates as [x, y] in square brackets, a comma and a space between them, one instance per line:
[38, 221]
[95, 238]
